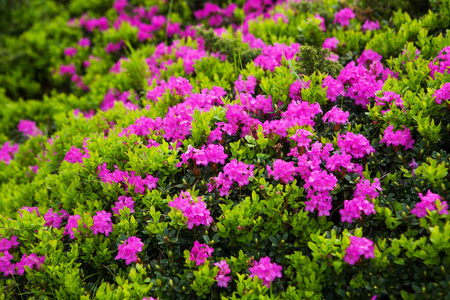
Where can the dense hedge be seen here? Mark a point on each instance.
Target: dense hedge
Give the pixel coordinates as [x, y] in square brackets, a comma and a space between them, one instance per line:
[248, 150]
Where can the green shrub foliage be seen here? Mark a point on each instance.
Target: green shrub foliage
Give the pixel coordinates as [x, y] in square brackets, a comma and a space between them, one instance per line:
[249, 150]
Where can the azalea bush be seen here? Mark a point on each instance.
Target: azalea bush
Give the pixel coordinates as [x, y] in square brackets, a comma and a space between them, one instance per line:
[248, 150]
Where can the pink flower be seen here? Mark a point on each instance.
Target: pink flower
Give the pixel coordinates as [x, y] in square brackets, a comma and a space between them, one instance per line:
[6, 244]
[195, 211]
[282, 170]
[67, 69]
[442, 94]
[322, 22]
[355, 144]
[6, 266]
[371, 25]
[358, 246]
[428, 202]
[30, 261]
[265, 270]
[330, 43]
[113, 47]
[353, 208]
[334, 87]
[336, 115]
[52, 219]
[344, 16]
[200, 253]
[129, 249]
[441, 63]
[84, 42]
[246, 86]
[72, 223]
[7, 152]
[211, 153]
[122, 203]
[74, 155]
[29, 210]
[368, 57]
[71, 51]
[224, 269]
[102, 223]
[29, 128]
[400, 137]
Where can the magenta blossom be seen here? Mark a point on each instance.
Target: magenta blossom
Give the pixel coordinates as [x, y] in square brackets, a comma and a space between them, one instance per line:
[265, 270]
[195, 211]
[322, 22]
[330, 43]
[129, 249]
[428, 202]
[336, 115]
[400, 137]
[371, 25]
[344, 16]
[122, 203]
[72, 223]
[28, 128]
[71, 51]
[358, 246]
[200, 253]
[224, 269]
[443, 93]
[102, 223]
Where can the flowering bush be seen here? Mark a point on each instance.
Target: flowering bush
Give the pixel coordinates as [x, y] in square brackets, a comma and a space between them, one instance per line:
[258, 149]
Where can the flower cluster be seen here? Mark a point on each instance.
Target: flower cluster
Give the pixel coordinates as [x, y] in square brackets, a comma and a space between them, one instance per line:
[441, 63]
[195, 211]
[102, 223]
[295, 90]
[142, 127]
[200, 253]
[212, 153]
[245, 86]
[54, 219]
[266, 270]
[72, 225]
[282, 170]
[400, 137]
[353, 208]
[330, 43]
[128, 178]
[176, 85]
[7, 152]
[224, 270]
[322, 22]
[319, 185]
[344, 16]
[334, 88]
[442, 94]
[233, 171]
[370, 25]
[113, 96]
[355, 144]
[336, 115]
[129, 249]
[74, 155]
[7, 267]
[389, 98]
[358, 246]
[272, 56]
[428, 203]
[28, 128]
[122, 203]
[215, 13]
